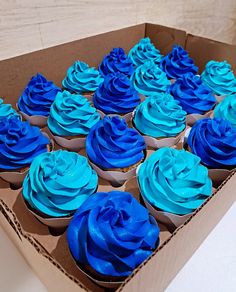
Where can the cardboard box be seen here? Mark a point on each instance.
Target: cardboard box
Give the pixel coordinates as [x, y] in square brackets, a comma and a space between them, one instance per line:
[49, 255]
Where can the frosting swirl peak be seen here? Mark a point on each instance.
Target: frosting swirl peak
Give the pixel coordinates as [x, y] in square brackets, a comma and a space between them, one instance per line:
[81, 78]
[160, 116]
[143, 51]
[219, 77]
[174, 181]
[177, 63]
[20, 143]
[71, 115]
[112, 233]
[59, 182]
[193, 95]
[116, 95]
[116, 61]
[214, 141]
[111, 144]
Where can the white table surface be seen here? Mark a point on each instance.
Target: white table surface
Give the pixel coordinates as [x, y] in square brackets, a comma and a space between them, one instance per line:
[211, 269]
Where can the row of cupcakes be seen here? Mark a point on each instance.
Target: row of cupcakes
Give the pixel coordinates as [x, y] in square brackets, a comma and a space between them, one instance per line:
[110, 234]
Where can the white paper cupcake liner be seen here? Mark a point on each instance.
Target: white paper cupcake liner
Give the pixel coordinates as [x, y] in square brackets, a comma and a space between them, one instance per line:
[193, 118]
[219, 98]
[116, 178]
[73, 144]
[40, 121]
[16, 178]
[127, 117]
[163, 142]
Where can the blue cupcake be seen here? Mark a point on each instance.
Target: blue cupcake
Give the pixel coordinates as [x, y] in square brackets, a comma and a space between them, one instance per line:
[144, 51]
[81, 78]
[177, 63]
[214, 141]
[111, 234]
[116, 95]
[116, 61]
[111, 145]
[193, 95]
[38, 96]
[20, 143]
[58, 183]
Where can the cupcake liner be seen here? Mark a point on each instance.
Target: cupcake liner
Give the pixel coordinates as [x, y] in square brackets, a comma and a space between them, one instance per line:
[127, 117]
[192, 118]
[16, 177]
[116, 178]
[54, 223]
[73, 144]
[172, 81]
[40, 121]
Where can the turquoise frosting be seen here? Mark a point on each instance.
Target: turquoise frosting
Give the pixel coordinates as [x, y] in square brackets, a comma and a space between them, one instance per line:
[59, 182]
[227, 110]
[81, 78]
[144, 51]
[149, 79]
[160, 116]
[219, 77]
[174, 181]
[71, 115]
[6, 110]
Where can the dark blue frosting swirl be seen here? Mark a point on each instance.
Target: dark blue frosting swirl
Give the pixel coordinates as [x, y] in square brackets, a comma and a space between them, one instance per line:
[116, 61]
[38, 96]
[116, 95]
[111, 144]
[214, 141]
[177, 63]
[112, 233]
[20, 143]
[194, 96]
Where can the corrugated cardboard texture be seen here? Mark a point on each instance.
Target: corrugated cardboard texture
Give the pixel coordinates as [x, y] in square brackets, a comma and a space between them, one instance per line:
[48, 255]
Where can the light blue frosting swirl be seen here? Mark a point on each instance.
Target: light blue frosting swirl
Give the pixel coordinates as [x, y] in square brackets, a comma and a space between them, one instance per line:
[149, 79]
[160, 116]
[227, 109]
[219, 77]
[174, 181]
[6, 110]
[71, 115]
[112, 233]
[81, 78]
[144, 51]
[59, 182]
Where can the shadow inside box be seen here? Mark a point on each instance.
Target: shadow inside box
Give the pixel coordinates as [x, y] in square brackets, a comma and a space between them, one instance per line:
[28, 222]
[4, 184]
[62, 255]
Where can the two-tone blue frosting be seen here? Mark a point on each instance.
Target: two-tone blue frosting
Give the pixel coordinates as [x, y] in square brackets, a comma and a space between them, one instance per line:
[226, 109]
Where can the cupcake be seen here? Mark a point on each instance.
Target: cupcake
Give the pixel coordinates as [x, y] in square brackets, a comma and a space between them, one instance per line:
[177, 63]
[20, 143]
[114, 149]
[116, 61]
[116, 95]
[227, 110]
[36, 99]
[220, 78]
[57, 184]
[70, 120]
[110, 235]
[214, 141]
[194, 96]
[82, 79]
[144, 51]
[173, 184]
[7, 111]
[161, 120]
[149, 79]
